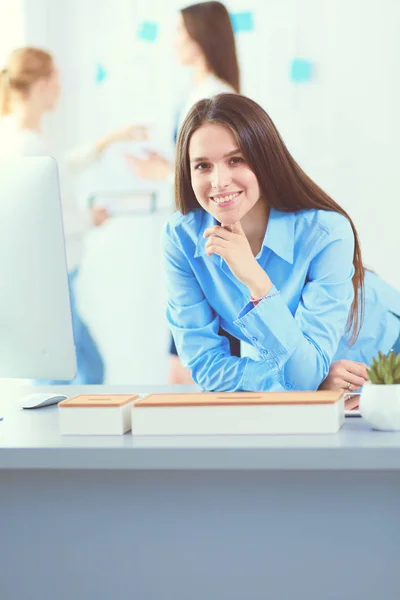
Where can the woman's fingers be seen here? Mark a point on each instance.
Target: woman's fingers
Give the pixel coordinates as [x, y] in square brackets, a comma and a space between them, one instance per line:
[216, 241]
[235, 228]
[352, 402]
[215, 245]
[344, 377]
[216, 250]
[218, 231]
[356, 382]
[357, 368]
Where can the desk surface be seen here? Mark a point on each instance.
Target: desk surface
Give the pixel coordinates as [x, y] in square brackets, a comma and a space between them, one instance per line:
[30, 439]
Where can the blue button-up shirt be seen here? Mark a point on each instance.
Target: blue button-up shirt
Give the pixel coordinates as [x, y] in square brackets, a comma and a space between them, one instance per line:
[296, 333]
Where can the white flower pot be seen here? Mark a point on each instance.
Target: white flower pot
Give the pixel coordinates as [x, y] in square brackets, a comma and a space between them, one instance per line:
[380, 406]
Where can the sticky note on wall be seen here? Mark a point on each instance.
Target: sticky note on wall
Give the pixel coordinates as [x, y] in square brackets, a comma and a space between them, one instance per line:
[242, 21]
[148, 31]
[100, 74]
[301, 70]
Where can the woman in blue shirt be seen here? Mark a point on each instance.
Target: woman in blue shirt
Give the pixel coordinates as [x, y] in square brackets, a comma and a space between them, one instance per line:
[259, 250]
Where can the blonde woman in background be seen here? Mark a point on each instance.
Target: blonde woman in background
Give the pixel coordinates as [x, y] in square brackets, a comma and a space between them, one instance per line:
[29, 88]
[205, 42]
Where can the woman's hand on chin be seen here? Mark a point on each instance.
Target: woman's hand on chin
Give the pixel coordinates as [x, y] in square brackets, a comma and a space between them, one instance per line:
[230, 242]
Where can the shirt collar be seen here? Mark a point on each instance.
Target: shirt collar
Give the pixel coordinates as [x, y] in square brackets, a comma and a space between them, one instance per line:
[207, 220]
[279, 236]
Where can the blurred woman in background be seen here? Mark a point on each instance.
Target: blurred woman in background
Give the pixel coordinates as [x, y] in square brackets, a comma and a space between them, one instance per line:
[204, 41]
[29, 88]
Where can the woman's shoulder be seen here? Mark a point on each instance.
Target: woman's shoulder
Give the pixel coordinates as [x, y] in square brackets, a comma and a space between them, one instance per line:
[184, 234]
[32, 144]
[323, 222]
[177, 219]
[188, 226]
[20, 142]
[218, 86]
[379, 292]
[211, 86]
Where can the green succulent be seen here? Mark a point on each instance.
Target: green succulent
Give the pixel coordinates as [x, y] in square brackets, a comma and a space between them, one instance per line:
[385, 369]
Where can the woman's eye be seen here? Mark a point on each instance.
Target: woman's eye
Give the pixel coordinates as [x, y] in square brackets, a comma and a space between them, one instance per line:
[201, 166]
[237, 159]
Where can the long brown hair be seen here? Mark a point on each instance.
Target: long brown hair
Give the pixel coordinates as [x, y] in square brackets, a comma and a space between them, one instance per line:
[209, 25]
[283, 184]
[24, 67]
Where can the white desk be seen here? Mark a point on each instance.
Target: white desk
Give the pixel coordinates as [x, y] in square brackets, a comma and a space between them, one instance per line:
[277, 517]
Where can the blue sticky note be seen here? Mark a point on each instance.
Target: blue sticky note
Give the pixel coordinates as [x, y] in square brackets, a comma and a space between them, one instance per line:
[242, 21]
[301, 70]
[101, 73]
[148, 31]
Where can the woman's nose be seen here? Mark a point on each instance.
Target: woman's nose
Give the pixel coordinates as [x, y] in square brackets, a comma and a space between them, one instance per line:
[221, 177]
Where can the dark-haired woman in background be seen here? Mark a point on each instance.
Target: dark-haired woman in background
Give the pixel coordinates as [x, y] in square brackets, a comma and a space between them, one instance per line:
[258, 249]
[204, 41]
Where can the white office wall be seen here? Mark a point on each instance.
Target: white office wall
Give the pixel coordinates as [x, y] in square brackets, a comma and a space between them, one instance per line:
[12, 32]
[343, 128]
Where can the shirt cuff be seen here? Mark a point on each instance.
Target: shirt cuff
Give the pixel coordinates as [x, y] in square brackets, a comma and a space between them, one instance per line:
[270, 326]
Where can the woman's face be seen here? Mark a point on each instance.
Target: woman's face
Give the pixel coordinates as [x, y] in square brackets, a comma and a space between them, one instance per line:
[222, 181]
[186, 48]
[48, 90]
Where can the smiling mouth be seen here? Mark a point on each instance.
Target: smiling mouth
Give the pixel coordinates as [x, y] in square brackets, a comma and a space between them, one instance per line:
[226, 199]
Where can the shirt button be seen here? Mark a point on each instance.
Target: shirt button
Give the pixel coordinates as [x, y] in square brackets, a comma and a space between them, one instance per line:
[289, 386]
[254, 339]
[242, 326]
[264, 353]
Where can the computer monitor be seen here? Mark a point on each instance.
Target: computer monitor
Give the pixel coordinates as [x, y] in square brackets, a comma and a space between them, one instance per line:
[36, 337]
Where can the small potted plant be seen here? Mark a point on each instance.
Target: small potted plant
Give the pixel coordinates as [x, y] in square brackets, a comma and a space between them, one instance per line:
[380, 396]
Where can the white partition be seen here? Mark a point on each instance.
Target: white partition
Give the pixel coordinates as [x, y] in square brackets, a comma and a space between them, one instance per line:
[122, 298]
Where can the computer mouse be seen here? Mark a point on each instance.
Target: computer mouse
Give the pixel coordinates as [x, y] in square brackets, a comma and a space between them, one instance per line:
[41, 399]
